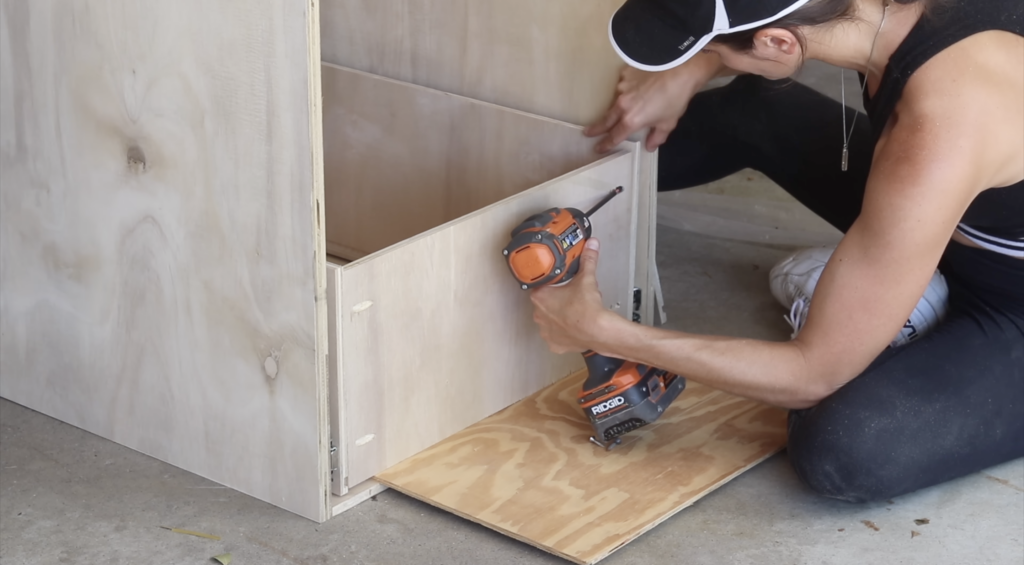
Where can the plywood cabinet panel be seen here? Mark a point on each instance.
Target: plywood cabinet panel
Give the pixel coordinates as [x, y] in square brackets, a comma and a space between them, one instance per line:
[158, 266]
[404, 159]
[437, 335]
[547, 57]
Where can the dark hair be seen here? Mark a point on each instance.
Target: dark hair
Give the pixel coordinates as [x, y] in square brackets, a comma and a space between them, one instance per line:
[815, 13]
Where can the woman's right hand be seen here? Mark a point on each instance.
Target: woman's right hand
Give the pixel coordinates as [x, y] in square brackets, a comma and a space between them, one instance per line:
[652, 100]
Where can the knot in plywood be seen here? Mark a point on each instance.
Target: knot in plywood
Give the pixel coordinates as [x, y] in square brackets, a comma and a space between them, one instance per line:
[136, 159]
[271, 365]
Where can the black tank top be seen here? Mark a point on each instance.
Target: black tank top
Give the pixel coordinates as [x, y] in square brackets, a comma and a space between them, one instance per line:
[997, 212]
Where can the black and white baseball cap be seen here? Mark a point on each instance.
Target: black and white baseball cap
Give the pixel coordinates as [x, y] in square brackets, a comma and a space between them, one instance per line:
[657, 35]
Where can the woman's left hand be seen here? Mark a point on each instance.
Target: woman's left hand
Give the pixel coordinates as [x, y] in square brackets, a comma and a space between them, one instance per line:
[571, 316]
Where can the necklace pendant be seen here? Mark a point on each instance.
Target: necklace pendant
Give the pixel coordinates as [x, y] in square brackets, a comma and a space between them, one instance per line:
[846, 158]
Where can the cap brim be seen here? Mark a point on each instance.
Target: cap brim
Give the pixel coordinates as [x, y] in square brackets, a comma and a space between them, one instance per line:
[655, 35]
[652, 37]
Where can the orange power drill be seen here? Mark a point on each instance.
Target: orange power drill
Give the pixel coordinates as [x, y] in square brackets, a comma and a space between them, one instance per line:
[618, 396]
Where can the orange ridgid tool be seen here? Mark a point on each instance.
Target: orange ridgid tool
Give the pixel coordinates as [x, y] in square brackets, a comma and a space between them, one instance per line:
[618, 396]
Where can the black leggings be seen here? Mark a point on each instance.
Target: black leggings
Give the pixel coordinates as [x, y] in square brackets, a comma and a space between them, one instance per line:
[946, 405]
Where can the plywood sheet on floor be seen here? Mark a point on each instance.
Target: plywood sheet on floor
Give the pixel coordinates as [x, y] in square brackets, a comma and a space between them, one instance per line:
[531, 473]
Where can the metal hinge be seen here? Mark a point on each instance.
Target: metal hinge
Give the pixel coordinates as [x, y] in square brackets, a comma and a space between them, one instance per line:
[334, 459]
[637, 302]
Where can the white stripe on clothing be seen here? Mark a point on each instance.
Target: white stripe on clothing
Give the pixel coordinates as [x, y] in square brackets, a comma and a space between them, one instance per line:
[1010, 247]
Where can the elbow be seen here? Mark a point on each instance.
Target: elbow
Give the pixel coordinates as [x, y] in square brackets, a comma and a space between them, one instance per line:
[812, 382]
[808, 395]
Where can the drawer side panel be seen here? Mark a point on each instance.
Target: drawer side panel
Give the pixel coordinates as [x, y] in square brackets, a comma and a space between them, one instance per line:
[436, 334]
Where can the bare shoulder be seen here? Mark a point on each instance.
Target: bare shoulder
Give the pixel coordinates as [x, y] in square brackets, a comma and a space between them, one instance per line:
[971, 95]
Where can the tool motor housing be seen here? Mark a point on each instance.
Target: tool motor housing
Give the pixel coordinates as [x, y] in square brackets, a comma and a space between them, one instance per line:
[546, 248]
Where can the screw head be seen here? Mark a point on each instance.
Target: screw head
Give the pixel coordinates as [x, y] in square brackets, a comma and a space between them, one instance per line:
[538, 237]
[504, 252]
[525, 287]
[558, 271]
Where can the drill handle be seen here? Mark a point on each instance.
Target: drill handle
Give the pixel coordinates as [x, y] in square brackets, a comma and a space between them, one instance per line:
[600, 369]
[536, 221]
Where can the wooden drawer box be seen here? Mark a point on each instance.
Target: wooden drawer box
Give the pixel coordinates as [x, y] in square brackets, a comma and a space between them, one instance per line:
[281, 275]
[431, 332]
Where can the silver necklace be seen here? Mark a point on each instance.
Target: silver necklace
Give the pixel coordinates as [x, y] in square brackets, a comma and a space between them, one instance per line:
[842, 74]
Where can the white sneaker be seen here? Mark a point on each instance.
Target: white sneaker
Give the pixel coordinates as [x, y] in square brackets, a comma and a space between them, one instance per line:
[793, 279]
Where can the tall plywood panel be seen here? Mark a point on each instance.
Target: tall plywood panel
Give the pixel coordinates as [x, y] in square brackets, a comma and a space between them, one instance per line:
[159, 280]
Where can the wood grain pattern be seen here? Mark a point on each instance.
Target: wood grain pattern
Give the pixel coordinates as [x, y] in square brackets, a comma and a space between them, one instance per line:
[314, 104]
[402, 159]
[158, 233]
[531, 473]
[547, 57]
[438, 336]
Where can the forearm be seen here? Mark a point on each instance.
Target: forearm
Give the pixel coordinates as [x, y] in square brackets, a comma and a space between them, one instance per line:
[696, 73]
[775, 373]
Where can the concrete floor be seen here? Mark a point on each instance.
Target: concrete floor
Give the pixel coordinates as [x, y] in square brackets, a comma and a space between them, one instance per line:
[68, 497]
